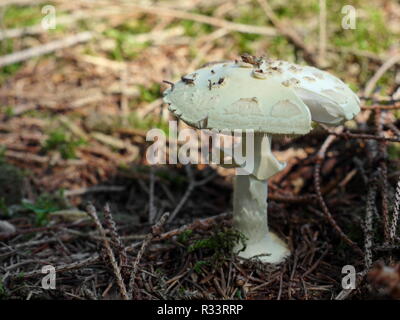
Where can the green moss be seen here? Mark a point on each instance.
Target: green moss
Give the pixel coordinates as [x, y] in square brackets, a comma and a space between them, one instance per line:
[219, 244]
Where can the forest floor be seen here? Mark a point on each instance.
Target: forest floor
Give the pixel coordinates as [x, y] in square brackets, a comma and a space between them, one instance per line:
[76, 190]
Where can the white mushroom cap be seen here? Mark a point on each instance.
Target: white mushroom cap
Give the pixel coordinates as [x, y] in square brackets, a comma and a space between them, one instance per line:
[329, 99]
[227, 97]
[269, 96]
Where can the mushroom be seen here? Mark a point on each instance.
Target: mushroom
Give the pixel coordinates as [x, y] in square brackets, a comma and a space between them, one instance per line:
[269, 97]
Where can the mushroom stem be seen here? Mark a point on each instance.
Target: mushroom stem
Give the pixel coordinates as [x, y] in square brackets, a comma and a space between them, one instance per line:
[250, 205]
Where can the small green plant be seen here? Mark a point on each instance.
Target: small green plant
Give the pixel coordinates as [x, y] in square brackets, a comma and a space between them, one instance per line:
[9, 111]
[63, 142]
[44, 205]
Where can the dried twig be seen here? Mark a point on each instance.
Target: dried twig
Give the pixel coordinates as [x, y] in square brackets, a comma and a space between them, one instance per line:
[28, 244]
[117, 272]
[379, 73]
[396, 211]
[4, 3]
[38, 29]
[66, 267]
[116, 239]
[288, 198]
[26, 157]
[164, 11]
[45, 48]
[349, 135]
[94, 189]
[393, 128]
[155, 231]
[192, 185]
[317, 184]
[382, 154]
[346, 293]
[393, 106]
[368, 227]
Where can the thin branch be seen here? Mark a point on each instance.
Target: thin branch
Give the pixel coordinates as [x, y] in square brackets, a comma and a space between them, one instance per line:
[396, 211]
[117, 272]
[109, 221]
[38, 29]
[94, 189]
[317, 184]
[45, 48]
[192, 185]
[346, 293]
[155, 231]
[228, 25]
[369, 88]
[394, 106]
[349, 135]
[66, 267]
[368, 227]
[382, 154]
